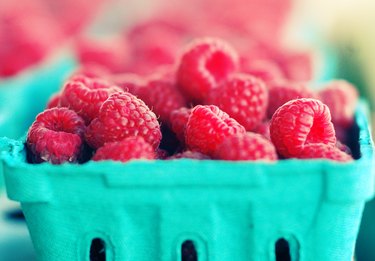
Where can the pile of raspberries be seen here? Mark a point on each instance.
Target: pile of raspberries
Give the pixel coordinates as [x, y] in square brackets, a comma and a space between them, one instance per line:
[207, 106]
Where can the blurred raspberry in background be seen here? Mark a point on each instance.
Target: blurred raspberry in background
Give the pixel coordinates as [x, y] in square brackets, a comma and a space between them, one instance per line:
[31, 29]
[27, 33]
[145, 33]
[154, 32]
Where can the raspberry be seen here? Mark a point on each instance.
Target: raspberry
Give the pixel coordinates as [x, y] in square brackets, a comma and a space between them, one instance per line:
[208, 126]
[254, 50]
[204, 65]
[85, 95]
[123, 115]
[284, 91]
[263, 19]
[188, 154]
[156, 24]
[297, 66]
[162, 97]
[165, 72]
[54, 101]
[56, 136]
[341, 98]
[28, 34]
[130, 148]
[301, 122]
[179, 119]
[264, 129]
[324, 151]
[112, 53]
[243, 97]
[249, 146]
[128, 82]
[153, 48]
[265, 70]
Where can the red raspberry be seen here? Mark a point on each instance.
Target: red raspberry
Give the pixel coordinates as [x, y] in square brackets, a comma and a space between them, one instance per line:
[85, 95]
[188, 154]
[131, 148]
[54, 101]
[123, 115]
[266, 70]
[129, 82]
[264, 129]
[261, 19]
[297, 66]
[162, 97]
[28, 34]
[204, 65]
[153, 48]
[248, 146]
[301, 122]
[284, 91]
[158, 23]
[179, 119]
[254, 50]
[164, 72]
[243, 97]
[341, 98]
[112, 53]
[56, 136]
[324, 151]
[208, 126]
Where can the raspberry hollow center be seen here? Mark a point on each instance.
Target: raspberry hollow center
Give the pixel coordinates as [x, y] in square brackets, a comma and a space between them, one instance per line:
[321, 129]
[219, 66]
[61, 120]
[316, 132]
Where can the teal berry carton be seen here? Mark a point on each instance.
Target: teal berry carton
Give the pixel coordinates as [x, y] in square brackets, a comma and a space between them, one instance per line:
[23, 96]
[211, 210]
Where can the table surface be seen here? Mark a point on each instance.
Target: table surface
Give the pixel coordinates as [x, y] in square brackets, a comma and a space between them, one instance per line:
[15, 242]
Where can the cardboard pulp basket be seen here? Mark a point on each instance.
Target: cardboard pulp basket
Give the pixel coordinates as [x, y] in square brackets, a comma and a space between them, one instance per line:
[184, 209]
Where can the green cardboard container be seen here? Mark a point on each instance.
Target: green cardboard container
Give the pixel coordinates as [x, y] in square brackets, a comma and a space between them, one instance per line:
[23, 96]
[296, 210]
